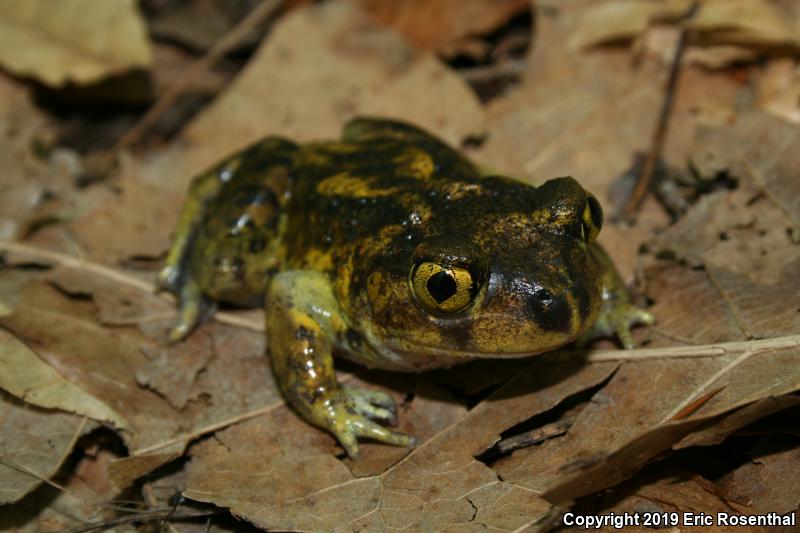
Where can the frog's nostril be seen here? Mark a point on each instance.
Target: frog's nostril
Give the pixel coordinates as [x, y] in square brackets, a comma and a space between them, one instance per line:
[551, 312]
[543, 295]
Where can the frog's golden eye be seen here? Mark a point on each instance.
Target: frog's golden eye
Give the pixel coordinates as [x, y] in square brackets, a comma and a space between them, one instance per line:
[441, 288]
[591, 219]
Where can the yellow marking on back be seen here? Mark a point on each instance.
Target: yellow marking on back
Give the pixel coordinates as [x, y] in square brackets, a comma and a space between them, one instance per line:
[416, 162]
[345, 184]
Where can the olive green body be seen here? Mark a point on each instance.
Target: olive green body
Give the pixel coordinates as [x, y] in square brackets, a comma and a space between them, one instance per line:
[392, 249]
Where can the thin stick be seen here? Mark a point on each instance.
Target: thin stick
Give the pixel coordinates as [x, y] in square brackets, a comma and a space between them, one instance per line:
[534, 436]
[660, 134]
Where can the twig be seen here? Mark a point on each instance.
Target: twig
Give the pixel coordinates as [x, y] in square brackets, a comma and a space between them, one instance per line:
[227, 43]
[751, 348]
[534, 436]
[660, 134]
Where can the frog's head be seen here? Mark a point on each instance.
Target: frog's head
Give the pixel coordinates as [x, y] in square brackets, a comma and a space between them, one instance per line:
[505, 272]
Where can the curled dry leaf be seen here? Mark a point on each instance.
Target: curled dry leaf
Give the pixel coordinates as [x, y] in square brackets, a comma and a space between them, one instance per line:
[81, 41]
[758, 23]
[623, 19]
[725, 30]
[33, 381]
[345, 65]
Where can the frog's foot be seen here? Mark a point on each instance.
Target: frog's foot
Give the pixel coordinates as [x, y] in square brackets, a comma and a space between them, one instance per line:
[193, 309]
[618, 321]
[373, 404]
[349, 412]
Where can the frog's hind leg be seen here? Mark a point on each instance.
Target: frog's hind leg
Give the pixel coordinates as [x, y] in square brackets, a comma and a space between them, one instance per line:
[203, 187]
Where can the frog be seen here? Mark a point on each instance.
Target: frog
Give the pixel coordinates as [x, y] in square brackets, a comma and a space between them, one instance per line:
[390, 248]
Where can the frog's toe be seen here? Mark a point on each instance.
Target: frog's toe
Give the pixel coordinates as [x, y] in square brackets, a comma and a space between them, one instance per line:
[179, 331]
[373, 404]
[626, 319]
[617, 321]
[356, 426]
[349, 417]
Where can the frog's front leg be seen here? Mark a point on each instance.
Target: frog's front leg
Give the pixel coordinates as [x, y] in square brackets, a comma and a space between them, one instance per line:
[617, 314]
[302, 318]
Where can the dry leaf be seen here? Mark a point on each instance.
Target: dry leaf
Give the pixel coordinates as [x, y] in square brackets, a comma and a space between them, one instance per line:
[433, 25]
[438, 484]
[33, 444]
[136, 222]
[744, 238]
[33, 381]
[105, 362]
[725, 425]
[578, 111]
[637, 417]
[173, 372]
[768, 483]
[677, 291]
[81, 41]
[665, 491]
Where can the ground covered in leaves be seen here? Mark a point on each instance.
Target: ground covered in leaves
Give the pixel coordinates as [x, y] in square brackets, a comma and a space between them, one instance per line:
[103, 424]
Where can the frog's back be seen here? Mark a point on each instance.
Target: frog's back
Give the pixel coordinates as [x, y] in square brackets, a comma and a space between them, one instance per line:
[356, 195]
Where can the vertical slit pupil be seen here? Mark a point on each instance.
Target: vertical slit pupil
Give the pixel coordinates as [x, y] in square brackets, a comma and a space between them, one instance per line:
[441, 286]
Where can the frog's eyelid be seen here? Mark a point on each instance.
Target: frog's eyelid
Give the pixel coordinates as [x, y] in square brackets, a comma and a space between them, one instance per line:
[591, 219]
